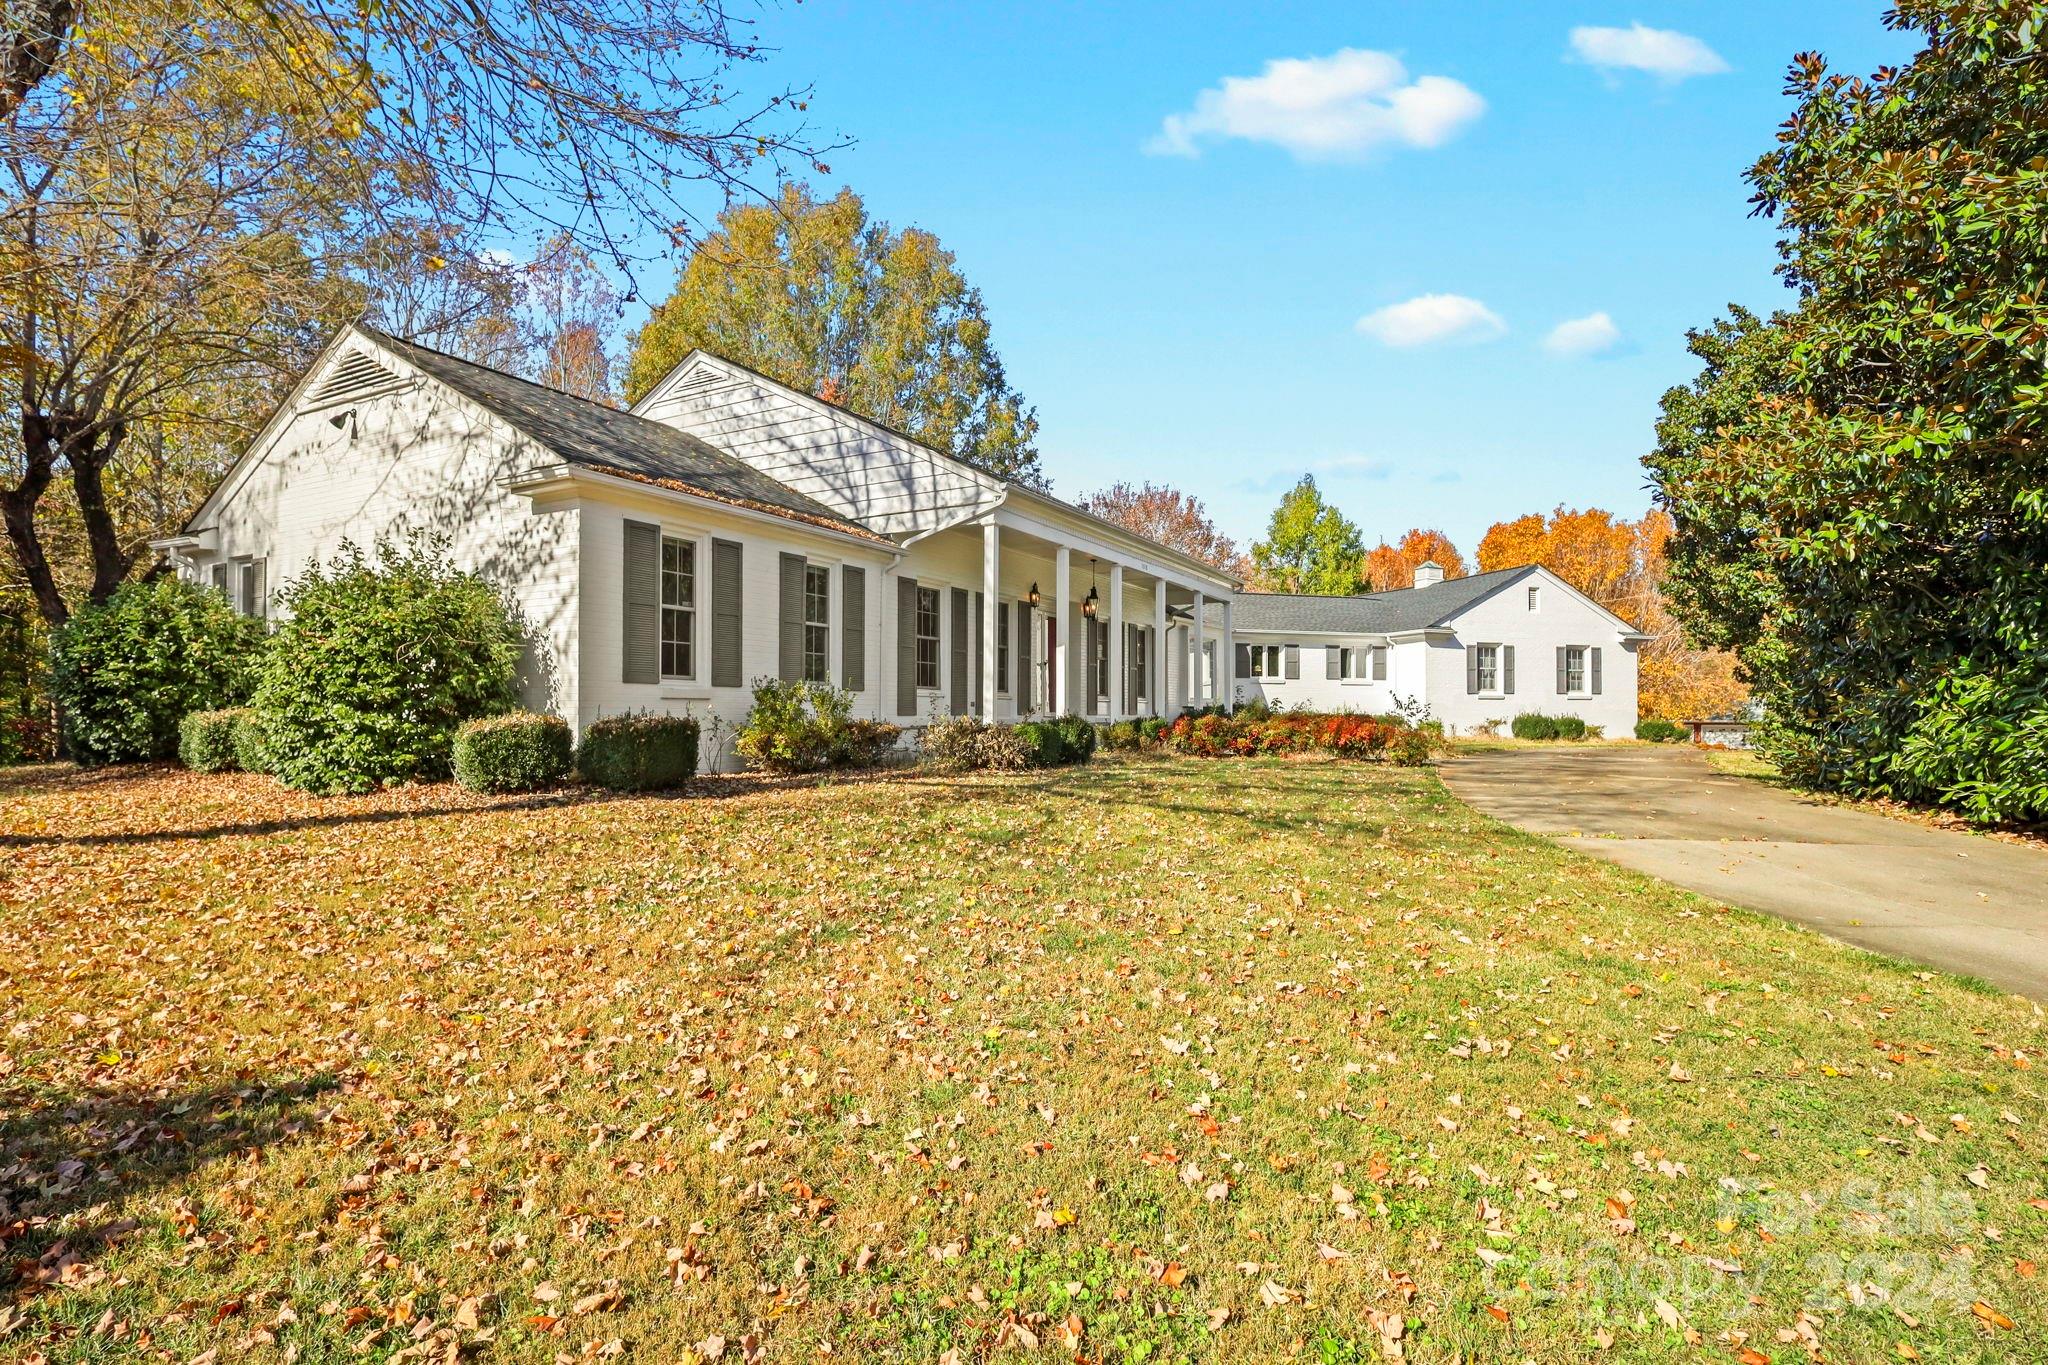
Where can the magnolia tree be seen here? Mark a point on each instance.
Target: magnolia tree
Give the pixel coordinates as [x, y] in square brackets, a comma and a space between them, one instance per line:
[1857, 481]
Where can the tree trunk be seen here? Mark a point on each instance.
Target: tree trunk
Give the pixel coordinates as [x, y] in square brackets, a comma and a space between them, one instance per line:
[110, 563]
[18, 509]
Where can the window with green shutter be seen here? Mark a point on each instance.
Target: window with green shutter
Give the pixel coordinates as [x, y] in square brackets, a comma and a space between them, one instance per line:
[817, 624]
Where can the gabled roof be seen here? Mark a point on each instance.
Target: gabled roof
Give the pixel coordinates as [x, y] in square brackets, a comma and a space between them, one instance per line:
[594, 436]
[1379, 613]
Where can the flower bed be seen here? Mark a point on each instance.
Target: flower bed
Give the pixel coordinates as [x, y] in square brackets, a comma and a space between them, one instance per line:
[1248, 734]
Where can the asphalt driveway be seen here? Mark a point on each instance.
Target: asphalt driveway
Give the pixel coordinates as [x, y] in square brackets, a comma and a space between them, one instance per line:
[1951, 900]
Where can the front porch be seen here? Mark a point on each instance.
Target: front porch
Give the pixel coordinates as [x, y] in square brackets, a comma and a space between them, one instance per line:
[1020, 613]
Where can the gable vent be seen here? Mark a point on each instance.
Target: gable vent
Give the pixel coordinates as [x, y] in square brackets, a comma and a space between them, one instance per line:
[353, 375]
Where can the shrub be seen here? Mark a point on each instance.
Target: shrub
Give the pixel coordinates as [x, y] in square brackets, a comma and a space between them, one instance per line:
[1569, 727]
[865, 743]
[125, 672]
[639, 752]
[1121, 737]
[206, 739]
[1530, 725]
[1152, 729]
[515, 752]
[365, 684]
[1042, 737]
[252, 743]
[971, 742]
[1413, 747]
[799, 727]
[1659, 731]
[1077, 738]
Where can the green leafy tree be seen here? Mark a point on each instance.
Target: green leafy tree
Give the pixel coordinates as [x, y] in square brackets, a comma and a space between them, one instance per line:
[377, 666]
[1309, 547]
[1860, 483]
[818, 296]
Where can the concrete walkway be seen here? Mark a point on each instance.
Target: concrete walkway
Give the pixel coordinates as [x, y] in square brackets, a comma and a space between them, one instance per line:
[1951, 900]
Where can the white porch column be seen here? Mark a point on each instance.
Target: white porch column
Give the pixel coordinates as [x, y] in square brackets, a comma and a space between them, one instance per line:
[1112, 619]
[1226, 660]
[1155, 664]
[990, 578]
[1197, 694]
[1063, 637]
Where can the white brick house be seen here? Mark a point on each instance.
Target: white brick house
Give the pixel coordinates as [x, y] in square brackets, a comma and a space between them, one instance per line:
[729, 528]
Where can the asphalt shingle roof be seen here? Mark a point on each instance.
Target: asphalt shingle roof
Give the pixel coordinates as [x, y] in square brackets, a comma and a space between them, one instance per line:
[1376, 613]
[604, 438]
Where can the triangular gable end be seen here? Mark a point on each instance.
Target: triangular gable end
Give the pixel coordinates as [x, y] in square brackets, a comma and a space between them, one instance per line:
[1550, 578]
[883, 479]
[352, 368]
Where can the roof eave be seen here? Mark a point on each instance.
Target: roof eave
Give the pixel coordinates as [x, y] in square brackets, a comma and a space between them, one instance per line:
[568, 477]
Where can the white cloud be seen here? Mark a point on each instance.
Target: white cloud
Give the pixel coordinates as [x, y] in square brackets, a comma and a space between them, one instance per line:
[1664, 53]
[1432, 318]
[1355, 467]
[1588, 335]
[1332, 108]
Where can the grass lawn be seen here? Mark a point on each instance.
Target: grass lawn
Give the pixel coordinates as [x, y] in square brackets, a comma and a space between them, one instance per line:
[1149, 1061]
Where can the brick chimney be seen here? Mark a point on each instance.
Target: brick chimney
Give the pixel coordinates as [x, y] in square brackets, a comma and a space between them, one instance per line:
[1428, 573]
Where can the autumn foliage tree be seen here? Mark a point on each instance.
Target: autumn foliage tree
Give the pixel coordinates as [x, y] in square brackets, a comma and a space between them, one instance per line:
[1387, 568]
[1622, 566]
[1172, 518]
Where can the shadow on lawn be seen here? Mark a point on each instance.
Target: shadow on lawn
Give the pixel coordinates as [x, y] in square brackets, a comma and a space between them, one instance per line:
[356, 811]
[68, 1157]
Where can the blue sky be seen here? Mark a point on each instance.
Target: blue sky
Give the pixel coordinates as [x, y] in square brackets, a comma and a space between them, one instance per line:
[1178, 280]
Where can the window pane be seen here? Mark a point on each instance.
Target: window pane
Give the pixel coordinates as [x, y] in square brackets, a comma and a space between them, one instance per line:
[928, 637]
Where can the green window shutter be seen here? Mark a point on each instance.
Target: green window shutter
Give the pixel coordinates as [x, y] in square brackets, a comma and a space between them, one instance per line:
[640, 580]
[1507, 669]
[727, 615]
[853, 628]
[906, 646]
[1379, 663]
[1020, 645]
[1244, 663]
[1333, 662]
[957, 691]
[1593, 667]
[789, 622]
[1561, 676]
[1471, 670]
[1291, 662]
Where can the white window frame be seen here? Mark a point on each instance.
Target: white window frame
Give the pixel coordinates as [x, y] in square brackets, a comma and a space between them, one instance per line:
[1266, 663]
[245, 599]
[937, 637]
[1487, 667]
[1535, 597]
[1354, 664]
[699, 619]
[1578, 660]
[823, 626]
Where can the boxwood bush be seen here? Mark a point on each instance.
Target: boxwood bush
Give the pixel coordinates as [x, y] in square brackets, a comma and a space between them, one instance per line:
[1077, 739]
[1531, 725]
[515, 752]
[800, 727]
[1043, 739]
[640, 752]
[206, 739]
[1659, 731]
[125, 672]
[365, 684]
[252, 748]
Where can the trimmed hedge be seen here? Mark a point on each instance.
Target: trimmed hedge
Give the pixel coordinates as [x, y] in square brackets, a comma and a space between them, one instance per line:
[1048, 749]
[206, 739]
[252, 742]
[515, 752]
[1210, 734]
[1659, 731]
[125, 672]
[1077, 738]
[638, 753]
[1532, 725]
